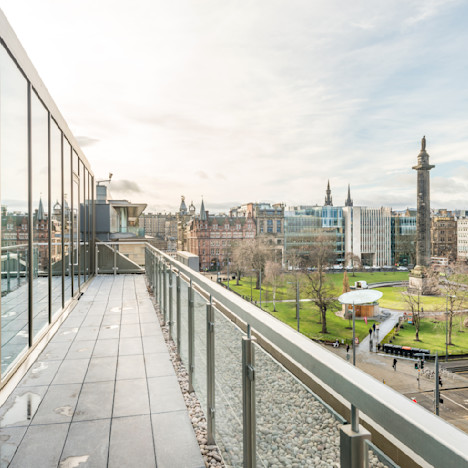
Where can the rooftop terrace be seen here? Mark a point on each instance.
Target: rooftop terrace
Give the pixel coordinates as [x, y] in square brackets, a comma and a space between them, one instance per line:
[103, 392]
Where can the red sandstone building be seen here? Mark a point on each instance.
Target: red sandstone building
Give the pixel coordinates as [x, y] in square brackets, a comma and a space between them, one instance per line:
[212, 237]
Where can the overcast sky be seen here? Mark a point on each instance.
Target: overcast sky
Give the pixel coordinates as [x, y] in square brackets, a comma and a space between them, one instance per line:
[263, 100]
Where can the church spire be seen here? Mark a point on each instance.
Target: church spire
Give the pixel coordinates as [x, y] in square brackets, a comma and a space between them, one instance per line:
[349, 201]
[203, 212]
[328, 198]
[40, 211]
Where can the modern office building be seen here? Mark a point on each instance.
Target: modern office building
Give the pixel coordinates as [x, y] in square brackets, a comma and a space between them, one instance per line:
[462, 239]
[404, 237]
[303, 225]
[368, 234]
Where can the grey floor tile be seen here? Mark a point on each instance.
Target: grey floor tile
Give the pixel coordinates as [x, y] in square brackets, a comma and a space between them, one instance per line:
[95, 401]
[154, 344]
[165, 394]
[101, 369]
[55, 351]
[175, 441]
[21, 406]
[87, 441]
[130, 319]
[158, 365]
[106, 348]
[87, 333]
[130, 346]
[41, 446]
[107, 332]
[130, 330]
[148, 317]
[151, 329]
[131, 398]
[80, 350]
[58, 404]
[92, 321]
[65, 334]
[131, 443]
[10, 438]
[131, 367]
[110, 320]
[71, 371]
[41, 373]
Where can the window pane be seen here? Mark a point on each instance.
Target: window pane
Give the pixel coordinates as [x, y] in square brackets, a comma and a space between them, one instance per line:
[67, 184]
[56, 198]
[15, 216]
[40, 203]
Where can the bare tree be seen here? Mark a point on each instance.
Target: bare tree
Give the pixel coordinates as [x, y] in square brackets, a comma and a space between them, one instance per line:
[257, 254]
[240, 259]
[413, 301]
[353, 260]
[320, 288]
[273, 273]
[455, 285]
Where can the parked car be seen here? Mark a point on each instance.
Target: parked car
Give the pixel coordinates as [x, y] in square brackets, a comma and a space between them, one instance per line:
[402, 268]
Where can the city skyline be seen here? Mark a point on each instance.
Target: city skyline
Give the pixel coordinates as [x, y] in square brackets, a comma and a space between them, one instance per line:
[258, 102]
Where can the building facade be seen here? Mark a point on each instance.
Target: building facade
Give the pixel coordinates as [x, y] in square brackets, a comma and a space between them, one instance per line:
[368, 234]
[462, 239]
[213, 237]
[404, 237]
[444, 237]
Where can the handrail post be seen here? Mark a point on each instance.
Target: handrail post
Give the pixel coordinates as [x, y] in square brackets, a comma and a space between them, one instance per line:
[178, 313]
[18, 266]
[97, 260]
[191, 332]
[171, 323]
[115, 260]
[8, 269]
[248, 400]
[164, 280]
[210, 372]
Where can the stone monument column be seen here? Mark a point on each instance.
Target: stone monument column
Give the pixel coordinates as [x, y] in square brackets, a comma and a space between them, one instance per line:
[418, 277]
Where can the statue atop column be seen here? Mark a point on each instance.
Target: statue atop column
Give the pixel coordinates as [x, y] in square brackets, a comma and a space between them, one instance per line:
[418, 278]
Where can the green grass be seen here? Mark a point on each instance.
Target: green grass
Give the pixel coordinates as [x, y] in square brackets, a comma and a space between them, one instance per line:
[393, 299]
[337, 327]
[432, 337]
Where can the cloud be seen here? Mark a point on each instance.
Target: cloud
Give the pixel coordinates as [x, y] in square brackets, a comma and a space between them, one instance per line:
[202, 175]
[84, 141]
[125, 186]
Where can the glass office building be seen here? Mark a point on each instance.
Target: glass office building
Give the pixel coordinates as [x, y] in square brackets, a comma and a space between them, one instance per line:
[46, 194]
[304, 224]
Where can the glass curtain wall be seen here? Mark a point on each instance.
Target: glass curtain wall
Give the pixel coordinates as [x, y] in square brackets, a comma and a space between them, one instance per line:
[46, 195]
[15, 210]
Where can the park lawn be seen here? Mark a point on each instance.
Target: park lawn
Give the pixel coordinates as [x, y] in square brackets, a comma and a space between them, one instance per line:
[432, 337]
[287, 291]
[309, 322]
[393, 299]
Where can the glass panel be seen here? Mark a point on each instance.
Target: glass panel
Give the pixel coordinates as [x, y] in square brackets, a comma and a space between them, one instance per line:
[67, 185]
[199, 378]
[82, 223]
[76, 222]
[86, 221]
[184, 322]
[228, 374]
[56, 199]
[174, 307]
[376, 458]
[15, 216]
[293, 425]
[91, 197]
[40, 203]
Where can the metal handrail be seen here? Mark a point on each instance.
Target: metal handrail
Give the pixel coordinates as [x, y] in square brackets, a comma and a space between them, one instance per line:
[418, 433]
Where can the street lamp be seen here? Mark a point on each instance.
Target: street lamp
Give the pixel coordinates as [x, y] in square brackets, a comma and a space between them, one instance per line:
[446, 325]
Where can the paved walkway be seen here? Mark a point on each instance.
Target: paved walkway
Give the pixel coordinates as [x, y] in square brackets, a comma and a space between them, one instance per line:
[103, 392]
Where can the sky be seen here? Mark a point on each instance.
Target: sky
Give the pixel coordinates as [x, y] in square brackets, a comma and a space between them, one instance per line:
[242, 101]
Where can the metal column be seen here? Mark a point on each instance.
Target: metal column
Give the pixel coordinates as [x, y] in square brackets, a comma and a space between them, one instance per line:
[210, 372]
[178, 313]
[163, 276]
[191, 332]
[171, 322]
[248, 400]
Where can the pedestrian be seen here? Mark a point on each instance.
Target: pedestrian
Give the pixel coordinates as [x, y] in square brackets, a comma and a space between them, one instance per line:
[370, 331]
[440, 381]
[347, 348]
[373, 326]
[394, 364]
